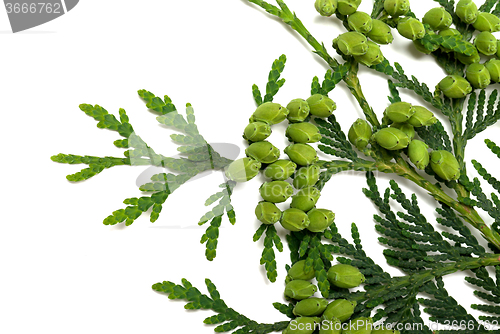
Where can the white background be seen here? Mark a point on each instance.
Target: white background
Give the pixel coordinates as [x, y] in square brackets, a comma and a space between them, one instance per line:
[63, 271]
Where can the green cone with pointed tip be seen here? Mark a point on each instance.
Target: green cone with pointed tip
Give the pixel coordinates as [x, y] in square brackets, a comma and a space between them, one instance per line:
[418, 154]
[326, 7]
[372, 57]
[280, 170]
[267, 212]
[345, 276]
[331, 326]
[306, 177]
[263, 151]
[467, 60]
[380, 33]
[486, 43]
[399, 112]
[302, 154]
[299, 289]
[339, 309]
[304, 132]
[302, 325]
[320, 219]
[243, 170]
[276, 191]
[438, 18]
[422, 117]
[360, 22]
[445, 165]
[384, 330]
[257, 131]
[270, 113]
[294, 220]
[487, 22]
[347, 7]
[455, 87]
[466, 11]
[321, 105]
[408, 129]
[360, 133]
[310, 307]
[297, 271]
[391, 139]
[411, 28]
[352, 43]
[493, 66]
[298, 110]
[478, 75]
[359, 326]
[397, 7]
[305, 199]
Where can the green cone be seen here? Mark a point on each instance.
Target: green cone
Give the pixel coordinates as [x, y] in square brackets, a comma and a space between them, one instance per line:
[438, 18]
[320, 219]
[347, 7]
[391, 139]
[326, 7]
[298, 110]
[305, 199]
[352, 43]
[487, 22]
[299, 289]
[493, 67]
[422, 117]
[360, 22]
[345, 276]
[257, 131]
[380, 33]
[340, 309]
[372, 57]
[360, 133]
[294, 220]
[302, 154]
[280, 170]
[270, 113]
[418, 154]
[411, 28]
[267, 212]
[263, 151]
[455, 87]
[310, 307]
[408, 129]
[243, 170]
[297, 272]
[399, 112]
[397, 7]
[467, 11]
[321, 105]
[445, 165]
[478, 75]
[276, 191]
[486, 43]
[306, 177]
[304, 132]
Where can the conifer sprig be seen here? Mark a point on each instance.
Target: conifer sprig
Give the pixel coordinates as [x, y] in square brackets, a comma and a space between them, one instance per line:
[226, 318]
